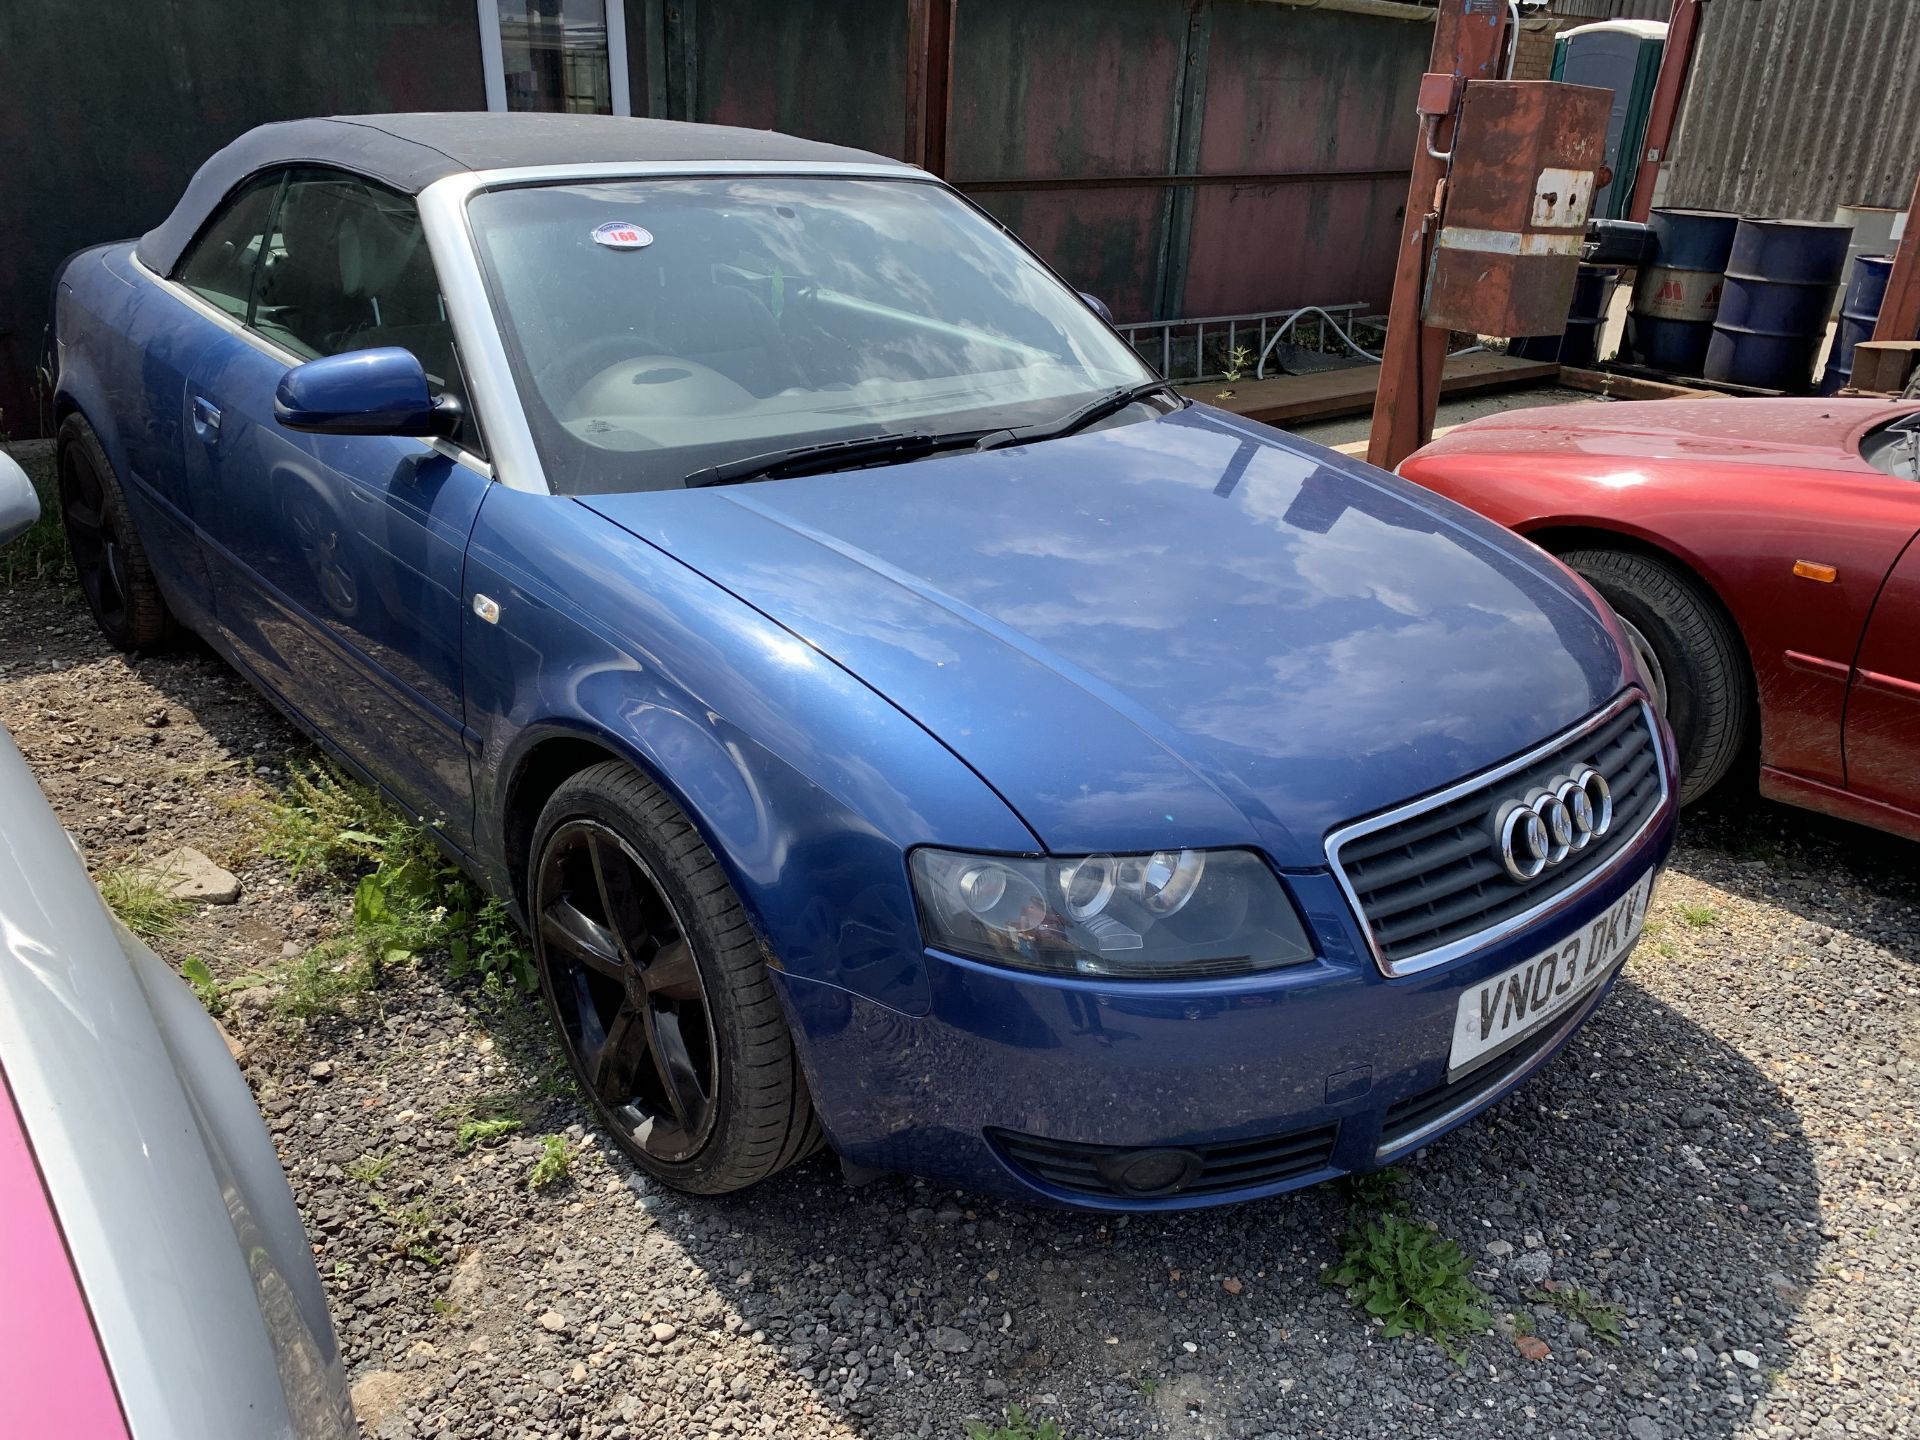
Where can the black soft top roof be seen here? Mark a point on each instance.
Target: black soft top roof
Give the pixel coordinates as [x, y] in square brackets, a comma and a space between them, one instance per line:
[410, 152]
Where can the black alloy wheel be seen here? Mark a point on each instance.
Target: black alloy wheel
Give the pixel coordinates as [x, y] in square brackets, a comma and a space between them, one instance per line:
[627, 991]
[659, 988]
[112, 567]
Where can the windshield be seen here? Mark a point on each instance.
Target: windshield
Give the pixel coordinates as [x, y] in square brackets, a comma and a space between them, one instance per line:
[658, 327]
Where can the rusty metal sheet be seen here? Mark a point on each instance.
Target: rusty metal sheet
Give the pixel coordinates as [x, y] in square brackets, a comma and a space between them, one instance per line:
[1302, 91]
[833, 70]
[1527, 156]
[1104, 241]
[1053, 93]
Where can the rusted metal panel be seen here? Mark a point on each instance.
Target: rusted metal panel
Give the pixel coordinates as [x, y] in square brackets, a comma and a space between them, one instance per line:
[104, 117]
[833, 70]
[1046, 90]
[1302, 93]
[1796, 107]
[1527, 156]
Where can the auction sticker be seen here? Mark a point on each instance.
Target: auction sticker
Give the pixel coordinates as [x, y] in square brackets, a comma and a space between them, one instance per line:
[622, 235]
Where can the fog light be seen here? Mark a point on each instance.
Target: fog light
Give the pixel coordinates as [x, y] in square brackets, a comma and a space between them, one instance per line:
[1149, 1172]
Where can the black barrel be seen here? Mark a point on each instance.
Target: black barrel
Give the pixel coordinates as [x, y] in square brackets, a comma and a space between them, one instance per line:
[1579, 344]
[1677, 297]
[1773, 316]
[1860, 313]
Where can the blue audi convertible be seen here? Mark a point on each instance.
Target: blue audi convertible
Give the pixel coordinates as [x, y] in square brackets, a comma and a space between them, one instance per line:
[901, 721]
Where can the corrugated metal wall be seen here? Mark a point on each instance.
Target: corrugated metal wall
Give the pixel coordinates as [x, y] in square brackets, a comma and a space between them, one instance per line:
[1797, 106]
[1616, 9]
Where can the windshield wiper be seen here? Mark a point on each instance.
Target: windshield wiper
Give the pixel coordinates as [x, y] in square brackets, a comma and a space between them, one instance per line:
[1107, 403]
[886, 449]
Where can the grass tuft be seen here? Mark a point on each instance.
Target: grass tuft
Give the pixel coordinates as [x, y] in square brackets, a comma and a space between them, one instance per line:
[141, 902]
[408, 899]
[40, 556]
[1601, 1318]
[1700, 917]
[476, 1134]
[1016, 1427]
[553, 1167]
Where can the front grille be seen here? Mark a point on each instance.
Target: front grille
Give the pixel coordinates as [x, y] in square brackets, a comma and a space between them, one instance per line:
[1427, 878]
[1233, 1165]
[1407, 1119]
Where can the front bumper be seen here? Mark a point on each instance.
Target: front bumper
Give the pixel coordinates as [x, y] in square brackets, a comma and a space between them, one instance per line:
[1277, 1081]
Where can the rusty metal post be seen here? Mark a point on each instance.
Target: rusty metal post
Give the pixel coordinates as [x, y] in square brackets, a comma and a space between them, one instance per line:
[1466, 46]
[1676, 61]
[1900, 311]
[929, 67]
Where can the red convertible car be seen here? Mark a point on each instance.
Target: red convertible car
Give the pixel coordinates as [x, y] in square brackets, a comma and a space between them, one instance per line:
[1762, 556]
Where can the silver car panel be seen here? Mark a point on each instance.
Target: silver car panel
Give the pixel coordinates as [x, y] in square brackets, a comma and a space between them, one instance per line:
[182, 1230]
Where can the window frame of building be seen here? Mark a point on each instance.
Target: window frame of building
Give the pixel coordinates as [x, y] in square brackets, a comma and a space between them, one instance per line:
[493, 56]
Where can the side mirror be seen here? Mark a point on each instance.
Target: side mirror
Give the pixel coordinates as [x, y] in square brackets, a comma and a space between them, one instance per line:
[19, 501]
[1098, 306]
[364, 392]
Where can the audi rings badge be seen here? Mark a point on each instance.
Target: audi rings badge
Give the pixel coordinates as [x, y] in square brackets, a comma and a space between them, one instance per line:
[1551, 823]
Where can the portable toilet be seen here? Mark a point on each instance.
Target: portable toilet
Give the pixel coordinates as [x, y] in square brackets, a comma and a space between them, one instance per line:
[1622, 56]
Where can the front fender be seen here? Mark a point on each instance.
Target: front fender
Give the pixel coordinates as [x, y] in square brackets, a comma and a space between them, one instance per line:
[808, 786]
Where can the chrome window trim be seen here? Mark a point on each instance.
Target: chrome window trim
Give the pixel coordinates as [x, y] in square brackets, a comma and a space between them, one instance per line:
[1453, 950]
[273, 350]
[489, 376]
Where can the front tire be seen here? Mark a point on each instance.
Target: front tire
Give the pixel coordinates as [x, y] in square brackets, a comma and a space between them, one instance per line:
[115, 574]
[659, 989]
[1698, 661]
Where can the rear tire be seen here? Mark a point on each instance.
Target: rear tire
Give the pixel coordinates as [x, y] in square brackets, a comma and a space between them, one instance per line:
[659, 989]
[112, 565]
[1701, 661]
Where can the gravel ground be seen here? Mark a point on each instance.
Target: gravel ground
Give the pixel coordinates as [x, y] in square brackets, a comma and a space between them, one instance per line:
[1727, 1154]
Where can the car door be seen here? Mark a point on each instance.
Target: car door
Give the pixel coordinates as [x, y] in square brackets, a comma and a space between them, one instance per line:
[1883, 701]
[337, 559]
[164, 339]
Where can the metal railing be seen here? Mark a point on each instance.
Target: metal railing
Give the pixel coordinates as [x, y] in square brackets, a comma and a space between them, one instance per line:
[1180, 347]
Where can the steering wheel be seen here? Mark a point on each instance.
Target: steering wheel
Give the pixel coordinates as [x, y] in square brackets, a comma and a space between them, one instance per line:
[581, 363]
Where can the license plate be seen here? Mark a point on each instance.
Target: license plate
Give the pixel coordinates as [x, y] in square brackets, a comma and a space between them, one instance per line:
[1497, 1013]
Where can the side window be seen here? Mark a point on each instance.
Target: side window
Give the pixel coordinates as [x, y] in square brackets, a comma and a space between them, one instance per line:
[221, 263]
[347, 268]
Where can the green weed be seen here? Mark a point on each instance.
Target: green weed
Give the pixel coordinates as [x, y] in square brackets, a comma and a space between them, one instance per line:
[1411, 1280]
[473, 1134]
[408, 899]
[1601, 1319]
[417, 1228]
[1017, 1427]
[325, 825]
[370, 1168]
[41, 554]
[553, 1167]
[196, 973]
[143, 906]
[1699, 916]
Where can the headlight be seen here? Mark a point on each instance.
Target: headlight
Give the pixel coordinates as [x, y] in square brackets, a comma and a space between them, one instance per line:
[1174, 914]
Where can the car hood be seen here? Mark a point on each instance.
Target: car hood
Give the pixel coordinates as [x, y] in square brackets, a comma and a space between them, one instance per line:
[1192, 630]
[1795, 434]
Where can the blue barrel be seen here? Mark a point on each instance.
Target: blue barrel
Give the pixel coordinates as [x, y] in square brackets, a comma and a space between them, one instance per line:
[1773, 316]
[1859, 314]
[1676, 298]
[1579, 344]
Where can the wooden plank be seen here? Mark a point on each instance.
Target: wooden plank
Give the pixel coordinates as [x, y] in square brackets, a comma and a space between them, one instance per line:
[1330, 394]
[1632, 387]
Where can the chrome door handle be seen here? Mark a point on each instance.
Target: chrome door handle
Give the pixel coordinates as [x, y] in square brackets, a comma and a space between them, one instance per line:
[206, 417]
